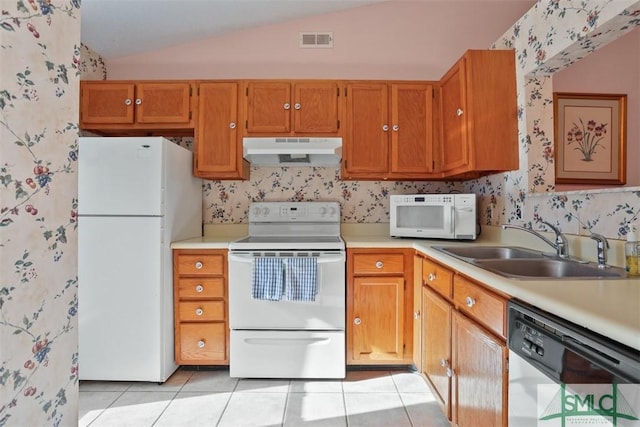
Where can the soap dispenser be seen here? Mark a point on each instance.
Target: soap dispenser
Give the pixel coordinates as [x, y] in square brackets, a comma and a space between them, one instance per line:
[632, 252]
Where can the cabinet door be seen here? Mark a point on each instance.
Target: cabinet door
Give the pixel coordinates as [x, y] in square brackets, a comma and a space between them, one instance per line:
[316, 107]
[378, 318]
[454, 116]
[411, 129]
[268, 107]
[436, 345]
[217, 143]
[106, 103]
[163, 103]
[366, 140]
[479, 389]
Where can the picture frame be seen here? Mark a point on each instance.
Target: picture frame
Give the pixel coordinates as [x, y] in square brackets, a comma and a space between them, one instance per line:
[590, 133]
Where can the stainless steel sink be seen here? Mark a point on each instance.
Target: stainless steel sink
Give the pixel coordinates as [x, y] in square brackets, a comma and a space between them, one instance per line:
[516, 262]
[548, 268]
[489, 252]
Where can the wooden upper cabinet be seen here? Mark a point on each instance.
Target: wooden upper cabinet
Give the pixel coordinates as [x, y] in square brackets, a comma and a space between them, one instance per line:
[478, 113]
[366, 138]
[109, 106]
[287, 108]
[411, 130]
[218, 147]
[389, 131]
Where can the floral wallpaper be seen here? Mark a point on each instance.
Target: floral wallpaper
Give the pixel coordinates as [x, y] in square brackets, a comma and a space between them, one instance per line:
[40, 66]
[41, 63]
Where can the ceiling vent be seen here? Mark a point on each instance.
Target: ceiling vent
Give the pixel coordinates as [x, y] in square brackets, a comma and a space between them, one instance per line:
[316, 40]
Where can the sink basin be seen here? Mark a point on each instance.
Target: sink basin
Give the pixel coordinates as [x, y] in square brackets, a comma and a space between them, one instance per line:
[489, 252]
[548, 269]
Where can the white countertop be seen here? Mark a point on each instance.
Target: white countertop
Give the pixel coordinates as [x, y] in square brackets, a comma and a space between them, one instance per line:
[608, 307]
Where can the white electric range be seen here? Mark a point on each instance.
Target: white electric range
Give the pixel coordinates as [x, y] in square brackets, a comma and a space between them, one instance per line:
[287, 293]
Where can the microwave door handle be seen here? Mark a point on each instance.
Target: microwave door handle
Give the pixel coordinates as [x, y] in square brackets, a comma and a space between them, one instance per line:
[452, 220]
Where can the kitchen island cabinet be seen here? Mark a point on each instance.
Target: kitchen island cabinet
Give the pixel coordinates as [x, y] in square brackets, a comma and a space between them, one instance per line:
[201, 307]
[292, 108]
[120, 107]
[478, 113]
[389, 130]
[379, 306]
[218, 143]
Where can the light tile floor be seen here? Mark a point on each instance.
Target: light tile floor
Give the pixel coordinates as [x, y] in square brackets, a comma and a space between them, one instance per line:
[210, 398]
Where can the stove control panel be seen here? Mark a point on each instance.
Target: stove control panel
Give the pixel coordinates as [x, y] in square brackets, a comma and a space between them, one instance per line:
[294, 212]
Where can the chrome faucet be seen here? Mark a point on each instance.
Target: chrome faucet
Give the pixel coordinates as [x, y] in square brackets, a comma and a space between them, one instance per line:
[561, 244]
[603, 246]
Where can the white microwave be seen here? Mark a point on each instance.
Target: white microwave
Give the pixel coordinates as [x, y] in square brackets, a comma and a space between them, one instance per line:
[433, 216]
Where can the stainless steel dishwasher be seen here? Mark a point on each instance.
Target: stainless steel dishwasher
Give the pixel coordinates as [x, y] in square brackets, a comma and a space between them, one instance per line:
[561, 374]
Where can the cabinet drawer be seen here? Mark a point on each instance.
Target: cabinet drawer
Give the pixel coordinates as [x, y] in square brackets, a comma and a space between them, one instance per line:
[378, 263]
[201, 311]
[437, 277]
[203, 342]
[201, 264]
[201, 288]
[481, 304]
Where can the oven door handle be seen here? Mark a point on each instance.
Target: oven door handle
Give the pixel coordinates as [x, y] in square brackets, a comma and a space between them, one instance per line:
[322, 259]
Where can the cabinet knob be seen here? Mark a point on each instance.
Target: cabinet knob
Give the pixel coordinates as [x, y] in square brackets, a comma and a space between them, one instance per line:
[138, 101]
[357, 321]
[449, 372]
[416, 315]
[385, 127]
[199, 288]
[201, 344]
[199, 312]
[232, 125]
[379, 264]
[432, 277]
[286, 106]
[198, 265]
[470, 302]
[297, 106]
[127, 101]
[444, 362]
[459, 112]
[395, 128]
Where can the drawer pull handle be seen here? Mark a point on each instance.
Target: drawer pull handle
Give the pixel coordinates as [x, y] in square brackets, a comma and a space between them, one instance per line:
[470, 302]
[127, 101]
[449, 372]
[232, 125]
[432, 277]
[286, 106]
[385, 127]
[444, 362]
[416, 315]
[297, 106]
[459, 112]
[357, 321]
[199, 312]
[138, 101]
[199, 288]
[379, 264]
[201, 344]
[198, 265]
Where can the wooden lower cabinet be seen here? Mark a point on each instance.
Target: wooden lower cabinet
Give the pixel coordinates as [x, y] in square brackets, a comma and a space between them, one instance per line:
[479, 382]
[379, 306]
[464, 351]
[436, 353]
[201, 307]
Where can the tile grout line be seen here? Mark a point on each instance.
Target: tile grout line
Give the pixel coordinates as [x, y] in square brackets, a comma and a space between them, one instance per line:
[110, 405]
[404, 406]
[171, 401]
[226, 405]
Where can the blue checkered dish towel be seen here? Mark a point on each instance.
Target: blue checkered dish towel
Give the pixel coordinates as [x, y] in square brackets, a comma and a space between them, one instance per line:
[268, 279]
[301, 279]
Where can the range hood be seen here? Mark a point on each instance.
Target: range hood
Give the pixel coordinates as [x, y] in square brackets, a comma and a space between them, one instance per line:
[292, 151]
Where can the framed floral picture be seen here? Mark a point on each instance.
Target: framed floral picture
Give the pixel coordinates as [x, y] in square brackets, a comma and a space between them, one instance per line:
[590, 138]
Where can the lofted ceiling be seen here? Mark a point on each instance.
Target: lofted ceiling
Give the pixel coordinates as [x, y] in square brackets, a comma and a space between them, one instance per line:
[115, 28]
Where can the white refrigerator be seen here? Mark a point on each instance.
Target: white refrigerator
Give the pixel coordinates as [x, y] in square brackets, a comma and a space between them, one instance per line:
[135, 196]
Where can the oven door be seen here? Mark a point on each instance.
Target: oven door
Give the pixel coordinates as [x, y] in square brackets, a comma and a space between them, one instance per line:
[327, 312]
